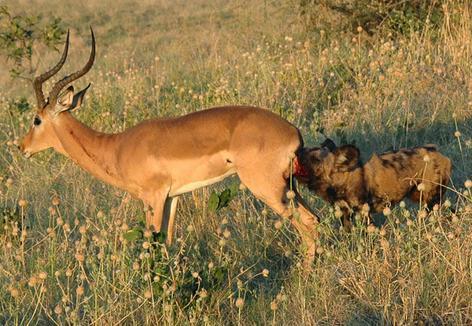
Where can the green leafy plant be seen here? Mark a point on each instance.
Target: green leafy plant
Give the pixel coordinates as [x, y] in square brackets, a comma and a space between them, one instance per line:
[20, 105]
[222, 199]
[9, 215]
[133, 234]
[20, 35]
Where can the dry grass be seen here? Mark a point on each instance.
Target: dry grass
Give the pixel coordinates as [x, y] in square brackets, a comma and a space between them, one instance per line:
[63, 255]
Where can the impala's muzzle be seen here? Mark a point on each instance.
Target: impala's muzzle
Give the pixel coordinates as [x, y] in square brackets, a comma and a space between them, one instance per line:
[26, 153]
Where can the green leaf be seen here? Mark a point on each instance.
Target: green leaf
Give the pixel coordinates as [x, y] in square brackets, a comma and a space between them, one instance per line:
[234, 188]
[133, 235]
[219, 274]
[225, 198]
[19, 35]
[21, 105]
[159, 237]
[157, 289]
[213, 202]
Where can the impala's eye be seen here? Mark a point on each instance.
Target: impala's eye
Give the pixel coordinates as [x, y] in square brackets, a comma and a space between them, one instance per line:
[37, 121]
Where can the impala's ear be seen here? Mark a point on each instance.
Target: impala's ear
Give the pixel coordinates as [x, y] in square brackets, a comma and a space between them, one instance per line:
[70, 101]
[79, 98]
[66, 98]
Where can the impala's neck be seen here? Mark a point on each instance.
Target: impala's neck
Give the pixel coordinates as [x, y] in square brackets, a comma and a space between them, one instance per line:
[94, 151]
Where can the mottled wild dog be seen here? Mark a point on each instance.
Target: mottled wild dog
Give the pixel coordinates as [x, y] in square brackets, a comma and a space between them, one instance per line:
[160, 159]
[338, 176]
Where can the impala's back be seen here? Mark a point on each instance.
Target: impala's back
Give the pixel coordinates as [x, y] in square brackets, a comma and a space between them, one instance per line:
[205, 146]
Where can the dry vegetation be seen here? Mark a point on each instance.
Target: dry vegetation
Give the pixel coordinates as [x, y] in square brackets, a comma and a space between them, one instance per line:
[64, 257]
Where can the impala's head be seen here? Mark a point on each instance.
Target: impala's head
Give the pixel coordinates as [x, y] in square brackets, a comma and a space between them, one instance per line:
[41, 134]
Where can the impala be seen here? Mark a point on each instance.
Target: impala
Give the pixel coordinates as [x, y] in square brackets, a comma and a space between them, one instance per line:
[160, 159]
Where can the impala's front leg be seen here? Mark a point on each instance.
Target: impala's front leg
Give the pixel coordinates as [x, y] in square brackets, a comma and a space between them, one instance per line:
[170, 208]
[148, 214]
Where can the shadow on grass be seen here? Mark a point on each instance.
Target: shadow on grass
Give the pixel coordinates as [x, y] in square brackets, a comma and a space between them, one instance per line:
[440, 133]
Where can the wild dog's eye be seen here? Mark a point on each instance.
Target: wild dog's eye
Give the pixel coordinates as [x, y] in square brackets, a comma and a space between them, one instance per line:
[37, 121]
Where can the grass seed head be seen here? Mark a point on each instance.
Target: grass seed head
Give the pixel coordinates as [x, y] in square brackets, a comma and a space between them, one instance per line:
[290, 194]
[447, 203]
[265, 272]
[203, 293]
[421, 187]
[56, 201]
[422, 214]
[278, 224]
[58, 310]
[371, 228]
[79, 291]
[239, 303]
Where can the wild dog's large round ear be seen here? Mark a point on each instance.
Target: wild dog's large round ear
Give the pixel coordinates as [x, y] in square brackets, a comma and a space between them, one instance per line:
[347, 158]
[315, 155]
[329, 144]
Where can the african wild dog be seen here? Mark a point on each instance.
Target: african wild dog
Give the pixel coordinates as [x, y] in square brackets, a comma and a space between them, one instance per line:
[338, 176]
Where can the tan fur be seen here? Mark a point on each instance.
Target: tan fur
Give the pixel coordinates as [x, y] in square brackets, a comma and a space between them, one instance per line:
[339, 177]
[159, 159]
[390, 177]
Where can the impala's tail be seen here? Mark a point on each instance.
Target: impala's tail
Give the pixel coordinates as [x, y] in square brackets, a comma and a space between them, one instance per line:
[303, 165]
[300, 168]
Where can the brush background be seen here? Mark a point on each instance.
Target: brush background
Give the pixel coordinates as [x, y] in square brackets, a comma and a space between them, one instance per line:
[64, 259]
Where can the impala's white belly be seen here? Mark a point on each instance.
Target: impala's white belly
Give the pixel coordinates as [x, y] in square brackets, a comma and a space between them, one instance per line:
[199, 184]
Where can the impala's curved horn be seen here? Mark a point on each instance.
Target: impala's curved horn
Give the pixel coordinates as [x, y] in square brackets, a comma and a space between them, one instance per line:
[76, 75]
[39, 80]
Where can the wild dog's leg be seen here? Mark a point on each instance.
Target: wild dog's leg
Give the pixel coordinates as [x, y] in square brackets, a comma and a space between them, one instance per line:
[346, 214]
[170, 207]
[346, 219]
[434, 196]
[426, 197]
[434, 192]
[272, 190]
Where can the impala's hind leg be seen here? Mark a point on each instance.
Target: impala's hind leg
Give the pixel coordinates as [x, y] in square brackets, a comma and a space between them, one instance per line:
[306, 225]
[272, 189]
